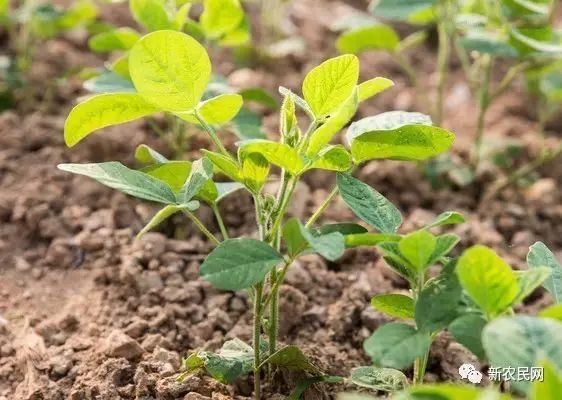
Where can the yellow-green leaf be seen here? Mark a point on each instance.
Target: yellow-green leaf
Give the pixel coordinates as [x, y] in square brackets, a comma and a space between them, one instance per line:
[170, 69]
[333, 158]
[226, 165]
[372, 87]
[166, 213]
[104, 110]
[374, 37]
[151, 14]
[116, 39]
[217, 110]
[276, 153]
[328, 85]
[220, 17]
[255, 169]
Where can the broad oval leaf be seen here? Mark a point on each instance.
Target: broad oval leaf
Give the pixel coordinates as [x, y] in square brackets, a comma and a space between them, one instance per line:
[330, 84]
[151, 14]
[333, 158]
[524, 342]
[400, 9]
[372, 87]
[540, 256]
[255, 170]
[225, 164]
[292, 359]
[374, 37]
[487, 43]
[298, 238]
[147, 155]
[446, 218]
[117, 176]
[101, 111]
[528, 281]
[220, 17]
[276, 153]
[488, 279]
[237, 264]
[115, 39]
[201, 172]
[109, 82]
[385, 379]
[396, 345]
[397, 135]
[467, 330]
[217, 110]
[368, 204]
[395, 305]
[418, 247]
[170, 69]
[445, 243]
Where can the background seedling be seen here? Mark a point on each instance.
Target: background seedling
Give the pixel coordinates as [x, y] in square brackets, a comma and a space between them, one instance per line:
[331, 94]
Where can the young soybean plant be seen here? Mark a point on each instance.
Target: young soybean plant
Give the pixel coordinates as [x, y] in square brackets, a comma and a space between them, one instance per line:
[170, 72]
[432, 301]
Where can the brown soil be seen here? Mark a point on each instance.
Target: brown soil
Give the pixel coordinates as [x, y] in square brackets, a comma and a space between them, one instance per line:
[87, 313]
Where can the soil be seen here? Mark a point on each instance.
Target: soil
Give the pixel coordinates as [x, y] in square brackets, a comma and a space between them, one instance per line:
[88, 313]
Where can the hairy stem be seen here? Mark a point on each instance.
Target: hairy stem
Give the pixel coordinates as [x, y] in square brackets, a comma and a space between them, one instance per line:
[258, 293]
[212, 134]
[483, 105]
[442, 66]
[220, 221]
[421, 362]
[322, 207]
[202, 227]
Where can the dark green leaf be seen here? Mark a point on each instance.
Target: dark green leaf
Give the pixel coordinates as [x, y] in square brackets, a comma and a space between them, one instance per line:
[467, 330]
[293, 359]
[540, 256]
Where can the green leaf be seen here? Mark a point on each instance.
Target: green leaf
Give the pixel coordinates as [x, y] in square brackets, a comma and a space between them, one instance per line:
[181, 17]
[220, 17]
[374, 37]
[445, 243]
[372, 87]
[226, 188]
[447, 218]
[339, 118]
[109, 82]
[166, 213]
[467, 330]
[396, 345]
[121, 67]
[147, 155]
[217, 110]
[247, 125]
[554, 312]
[395, 305]
[540, 256]
[384, 379]
[333, 158]
[527, 7]
[328, 85]
[298, 238]
[438, 303]
[449, 391]
[528, 281]
[225, 164]
[255, 170]
[170, 69]
[400, 9]
[486, 42]
[299, 101]
[488, 280]
[237, 264]
[417, 248]
[101, 111]
[535, 41]
[115, 39]
[395, 259]
[345, 228]
[368, 204]
[201, 172]
[369, 239]
[276, 153]
[260, 96]
[234, 359]
[117, 176]
[292, 359]
[550, 387]
[397, 135]
[524, 342]
[151, 14]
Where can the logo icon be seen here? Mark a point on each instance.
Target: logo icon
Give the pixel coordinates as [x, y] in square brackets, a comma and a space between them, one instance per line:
[468, 371]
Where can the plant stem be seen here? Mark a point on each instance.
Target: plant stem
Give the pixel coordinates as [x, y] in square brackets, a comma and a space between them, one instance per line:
[220, 221]
[483, 105]
[212, 134]
[258, 293]
[409, 71]
[421, 362]
[442, 65]
[202, 227]
[322, 208]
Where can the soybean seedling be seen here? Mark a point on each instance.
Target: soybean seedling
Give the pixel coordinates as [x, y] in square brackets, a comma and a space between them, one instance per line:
[27, 26]
[221, 23]
[331, 94]
[431, 303]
